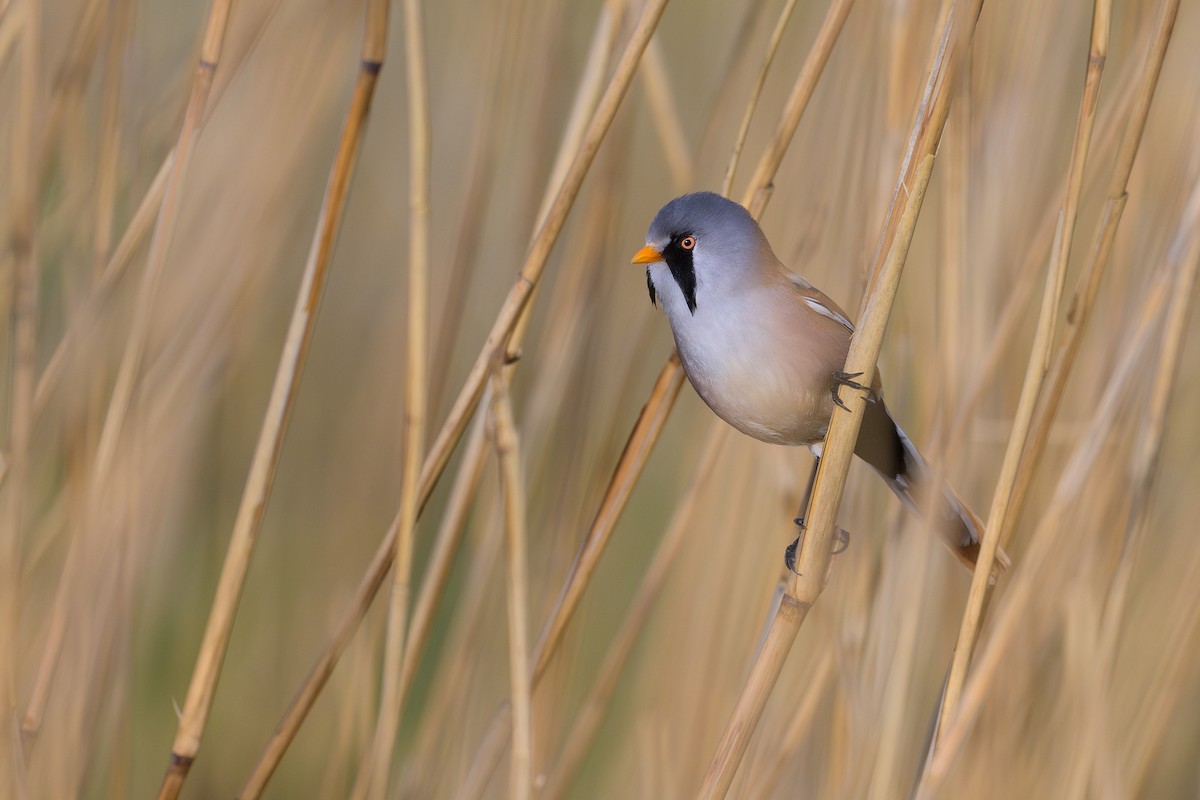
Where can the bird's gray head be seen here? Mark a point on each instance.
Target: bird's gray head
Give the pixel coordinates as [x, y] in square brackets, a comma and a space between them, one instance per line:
[702, 243]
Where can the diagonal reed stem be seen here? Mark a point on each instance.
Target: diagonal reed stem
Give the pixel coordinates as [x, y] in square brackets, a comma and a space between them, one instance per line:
[498, 341]
[739, 142]
[654, 413]
[1088, 286]
[591, 713]
[814, 559]
[160, 243]
[1020, 594]
[207, 669]
[1146, 468]
[1039, 359]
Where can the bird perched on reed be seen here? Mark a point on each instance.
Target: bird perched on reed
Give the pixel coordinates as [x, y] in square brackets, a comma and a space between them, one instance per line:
[764, 348]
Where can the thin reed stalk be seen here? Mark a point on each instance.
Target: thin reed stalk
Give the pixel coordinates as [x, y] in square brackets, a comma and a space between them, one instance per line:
[814, 558]
[1039, 361]
[376, 772]
[1020, 592]
[1147, 458]
[758, 190]
[265, 461]
[484, 160]
[160, 243]
[1004, 333]
[1088, 286]
[654, 413]
[592, 711]
[610, 666]
[645, 433]
[800, 725]
[739, 142]
[81, 324]
[105, 197]
[664, 111]
[509, 454]
[539, 254]
[633, 458]
[498, 342]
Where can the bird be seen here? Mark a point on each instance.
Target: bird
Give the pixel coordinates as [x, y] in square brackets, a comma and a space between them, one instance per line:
[764, 349]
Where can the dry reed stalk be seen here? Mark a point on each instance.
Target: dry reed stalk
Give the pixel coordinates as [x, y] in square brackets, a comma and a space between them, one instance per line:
[475, 453]
[1003, 334]
[583, 105]
[738, 51]
[108, 150]
[24, 322]
[449, 534]
[892, 724]
[509, 454]
[758, 190]
[665, 114]
[1150, 726]
[952, 249]
[71, 79]
[799, 726]
[739, 142]
[815, 554]
[80, 324]
[1020, 592]
[768, 663]
[265, 460]
[1039, 360]
[105, 194]
[481, 174]
[588, 718]
[160, 243]
[466, 631]
[539, 254]
[637, 449]
[1088, 284]
[1147, 458]
[135, 233]
[655, 411]
[504, 329]
[377, 768]
[633, 458]
[450, 531]
[620, 485]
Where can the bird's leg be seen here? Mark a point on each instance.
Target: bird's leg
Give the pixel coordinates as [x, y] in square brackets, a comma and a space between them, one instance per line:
[812, 479]
[841, 538]
[841, 379]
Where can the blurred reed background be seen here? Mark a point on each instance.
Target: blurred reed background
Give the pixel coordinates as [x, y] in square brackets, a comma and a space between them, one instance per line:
[1087, 680]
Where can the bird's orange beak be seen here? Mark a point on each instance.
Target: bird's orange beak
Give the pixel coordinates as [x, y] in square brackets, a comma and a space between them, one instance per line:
[647, 255]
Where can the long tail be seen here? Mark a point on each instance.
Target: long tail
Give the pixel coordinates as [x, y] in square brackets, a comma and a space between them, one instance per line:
[884, 446]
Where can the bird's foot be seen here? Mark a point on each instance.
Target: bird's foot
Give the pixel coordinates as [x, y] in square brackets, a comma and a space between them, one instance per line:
[841, 540]
[841, 379]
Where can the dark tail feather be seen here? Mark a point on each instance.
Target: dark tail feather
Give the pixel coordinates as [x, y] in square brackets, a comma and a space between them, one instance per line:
[884, 446]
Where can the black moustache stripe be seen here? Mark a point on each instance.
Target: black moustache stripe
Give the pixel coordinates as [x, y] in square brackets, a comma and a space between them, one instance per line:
[683, 271]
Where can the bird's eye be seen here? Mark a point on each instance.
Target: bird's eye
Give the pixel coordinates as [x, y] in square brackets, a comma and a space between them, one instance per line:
[687, 242]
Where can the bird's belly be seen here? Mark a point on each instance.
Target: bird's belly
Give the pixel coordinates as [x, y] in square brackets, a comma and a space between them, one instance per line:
[764, 391]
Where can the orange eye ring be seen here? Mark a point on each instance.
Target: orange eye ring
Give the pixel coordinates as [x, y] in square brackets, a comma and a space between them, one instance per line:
[687, 242]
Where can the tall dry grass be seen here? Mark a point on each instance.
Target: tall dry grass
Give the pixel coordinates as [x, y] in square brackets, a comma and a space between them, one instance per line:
[185, 185]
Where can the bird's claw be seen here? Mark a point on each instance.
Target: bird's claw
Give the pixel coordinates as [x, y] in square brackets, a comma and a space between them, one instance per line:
[841, 542]
[841, 379]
